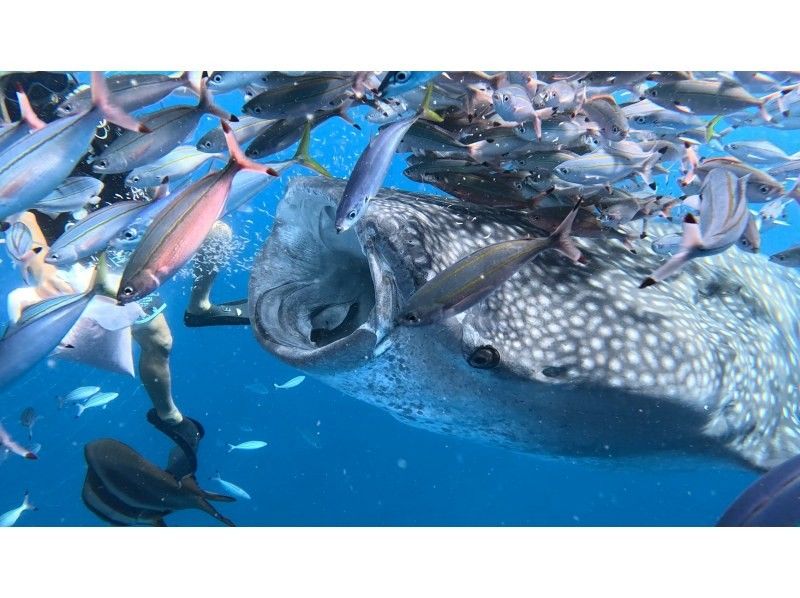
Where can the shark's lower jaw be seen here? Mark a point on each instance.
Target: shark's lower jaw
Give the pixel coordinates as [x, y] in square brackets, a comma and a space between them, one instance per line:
[317, 305]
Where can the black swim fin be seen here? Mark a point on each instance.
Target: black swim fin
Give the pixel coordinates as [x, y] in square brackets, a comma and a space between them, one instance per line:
[187, 436]
[232, 313]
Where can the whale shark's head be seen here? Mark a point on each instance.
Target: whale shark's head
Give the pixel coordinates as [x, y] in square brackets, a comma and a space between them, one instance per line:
[560, 359]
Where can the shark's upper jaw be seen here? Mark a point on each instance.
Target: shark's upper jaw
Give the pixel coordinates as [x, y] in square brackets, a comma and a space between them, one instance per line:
[324, 300]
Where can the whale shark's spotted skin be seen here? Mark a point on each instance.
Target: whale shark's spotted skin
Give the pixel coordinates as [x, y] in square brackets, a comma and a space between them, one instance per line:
[591, 365]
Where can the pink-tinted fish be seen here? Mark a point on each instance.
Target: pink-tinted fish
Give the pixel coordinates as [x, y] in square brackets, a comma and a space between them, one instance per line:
[178, 230]
[9, 443]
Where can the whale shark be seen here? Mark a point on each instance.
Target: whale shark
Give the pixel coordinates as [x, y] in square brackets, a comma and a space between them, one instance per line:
[562, 360]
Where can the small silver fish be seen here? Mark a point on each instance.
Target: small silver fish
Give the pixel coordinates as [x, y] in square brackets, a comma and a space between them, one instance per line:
[231, 488]
[250, 445]
[9, 518]
[101, 399]
[78, 395]
[296, 381]
[789, 258]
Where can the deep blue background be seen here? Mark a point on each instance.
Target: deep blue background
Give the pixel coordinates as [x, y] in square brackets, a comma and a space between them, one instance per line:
[332, 460]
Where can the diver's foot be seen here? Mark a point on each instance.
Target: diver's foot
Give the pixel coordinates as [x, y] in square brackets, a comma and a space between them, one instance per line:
[224, 314]
[187, 435]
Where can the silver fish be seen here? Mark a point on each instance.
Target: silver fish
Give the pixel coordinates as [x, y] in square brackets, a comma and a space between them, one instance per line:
[37, 333]
[101, 399]
[476, 276]
[9, 443]
[180, 162]
[601, 167]
[789, 258]
[302, 96]
[604, 111]
[78, 395]
[129, 91]
[372, 165]
[723, 221]
[71, 195]
[757, 153]
[93, 234]
[34, 166]
[704, 97]
[167, 129]
[246, 129]
[231, 488]
[9, 518]
[249, 445]
[224, 81]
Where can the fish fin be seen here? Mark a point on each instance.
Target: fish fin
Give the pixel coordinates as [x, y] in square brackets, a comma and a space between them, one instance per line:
[207, 104]
[560, 239]
[302, 157]
[691, 233]
[101, 284]
[342, 113]
[710, 127]
[647, 168]
[425, 111]
[26, 110]
[237, 155]
[101, 99]
[81, 409]
[193, 80]
[682, 108]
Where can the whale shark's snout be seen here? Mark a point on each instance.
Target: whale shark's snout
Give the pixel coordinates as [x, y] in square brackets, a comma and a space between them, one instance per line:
[560, 360]
[323, 299]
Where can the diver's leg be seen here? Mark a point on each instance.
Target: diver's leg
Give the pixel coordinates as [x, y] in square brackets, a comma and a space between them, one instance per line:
[213, 255]
[155, 339]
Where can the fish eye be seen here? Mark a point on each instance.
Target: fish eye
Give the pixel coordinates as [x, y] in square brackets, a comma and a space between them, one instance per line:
[564, 170]
[257, 109]
[506, 98]
[129, 233]
[653, 93]
[615, 129]
[401, 76]
[352, 215]
[128, 291]
[55, 256]
[103, 163]
[640, 119]
[764, 189]
[135, 179]
[734, 146]
[66, 108]
[207, 144]
[411, 317]
[217, 78]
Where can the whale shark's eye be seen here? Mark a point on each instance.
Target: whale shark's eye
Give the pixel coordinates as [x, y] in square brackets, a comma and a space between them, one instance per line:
[484, 357]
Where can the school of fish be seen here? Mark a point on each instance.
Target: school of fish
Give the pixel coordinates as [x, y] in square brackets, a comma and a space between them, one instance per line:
[620, 158]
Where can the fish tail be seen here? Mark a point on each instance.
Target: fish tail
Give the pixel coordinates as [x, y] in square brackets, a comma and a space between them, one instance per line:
[193, 80]
[710, 127]
[560, 239]
[237, 155]
[81, 409]
[425, 111]
[690, 241]
[302, 157]
[230, 448]
[27, 505]
[26, 110]
[794, 193]
[102, 100]
[207, 103]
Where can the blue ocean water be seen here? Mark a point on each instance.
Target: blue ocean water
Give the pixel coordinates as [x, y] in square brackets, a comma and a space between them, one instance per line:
[330, 459]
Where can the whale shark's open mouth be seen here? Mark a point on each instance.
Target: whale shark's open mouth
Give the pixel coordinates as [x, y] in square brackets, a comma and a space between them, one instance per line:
[317, 302]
